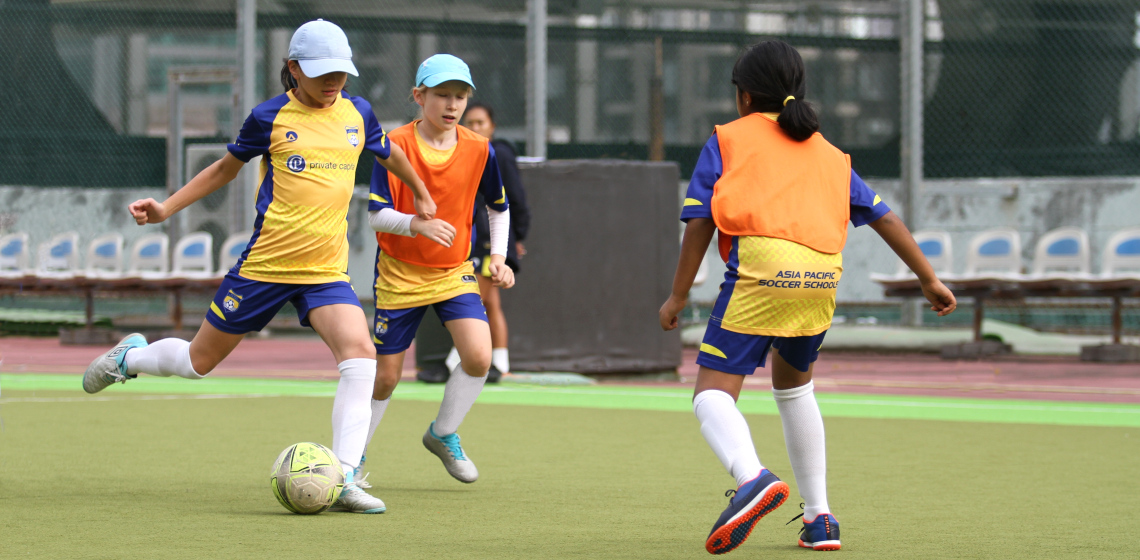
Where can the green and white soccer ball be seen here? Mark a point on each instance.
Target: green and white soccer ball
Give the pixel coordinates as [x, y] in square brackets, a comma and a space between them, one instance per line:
[307, 478]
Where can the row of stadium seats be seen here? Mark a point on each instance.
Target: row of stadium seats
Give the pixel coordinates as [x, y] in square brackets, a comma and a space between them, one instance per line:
[1060, 256]
[149, 257]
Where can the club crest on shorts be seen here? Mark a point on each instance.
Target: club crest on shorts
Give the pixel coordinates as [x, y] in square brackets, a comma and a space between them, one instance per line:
[381, 326]
[231, 302]
[353, 134]
[468, 278]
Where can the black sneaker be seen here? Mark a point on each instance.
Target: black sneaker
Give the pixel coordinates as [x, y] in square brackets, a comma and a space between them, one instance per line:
[433, 373]
[494, 375]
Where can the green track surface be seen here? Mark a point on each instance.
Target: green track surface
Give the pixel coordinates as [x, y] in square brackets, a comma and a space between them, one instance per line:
[665, 399]
[170, 469]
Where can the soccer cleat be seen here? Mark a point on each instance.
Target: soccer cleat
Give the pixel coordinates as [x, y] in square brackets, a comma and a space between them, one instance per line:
[111, 367]
[753, 500]
[354, 500]
[449, 451]
[821, 534]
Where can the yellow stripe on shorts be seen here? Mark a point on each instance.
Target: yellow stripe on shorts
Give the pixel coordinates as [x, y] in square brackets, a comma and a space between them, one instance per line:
[710, 349]
[218, 312]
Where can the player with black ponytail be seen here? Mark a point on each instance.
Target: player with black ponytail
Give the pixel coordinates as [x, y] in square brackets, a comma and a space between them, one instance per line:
[780, 197]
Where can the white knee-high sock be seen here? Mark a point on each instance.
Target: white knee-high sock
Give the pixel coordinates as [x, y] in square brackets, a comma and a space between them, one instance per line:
[352, 410]
[726, 432]
[458, 396]
[378, 408]
[452, 359]
[501, 359]
[166, 357]
[803, 434]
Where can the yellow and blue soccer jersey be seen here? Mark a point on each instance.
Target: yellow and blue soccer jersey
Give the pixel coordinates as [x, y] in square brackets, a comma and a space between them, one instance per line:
[308, 170]
[774, 287]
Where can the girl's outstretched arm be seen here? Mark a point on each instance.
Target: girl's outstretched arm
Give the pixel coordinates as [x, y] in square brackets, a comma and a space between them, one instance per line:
[895, 233]
[698, 234]
[210, 179]
[399, 165]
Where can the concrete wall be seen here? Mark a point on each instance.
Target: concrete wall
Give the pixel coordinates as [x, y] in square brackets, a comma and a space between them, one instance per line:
[1101, 206]
[962, 207]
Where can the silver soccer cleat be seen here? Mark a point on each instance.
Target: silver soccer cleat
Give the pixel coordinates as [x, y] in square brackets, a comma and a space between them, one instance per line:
[447, 448]
[111, 367]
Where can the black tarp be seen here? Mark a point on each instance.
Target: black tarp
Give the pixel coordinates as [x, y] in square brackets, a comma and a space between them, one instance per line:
[602, 249]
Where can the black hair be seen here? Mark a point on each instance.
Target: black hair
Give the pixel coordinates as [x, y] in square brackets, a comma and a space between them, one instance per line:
[483, 106]
[287, 80]
[770, 72]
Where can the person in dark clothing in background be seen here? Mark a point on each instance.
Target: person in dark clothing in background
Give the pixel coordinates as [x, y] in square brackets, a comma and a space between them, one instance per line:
[480, 119]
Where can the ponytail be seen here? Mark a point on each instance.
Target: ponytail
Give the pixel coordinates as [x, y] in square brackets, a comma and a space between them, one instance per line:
[773, 75]
[287, 80]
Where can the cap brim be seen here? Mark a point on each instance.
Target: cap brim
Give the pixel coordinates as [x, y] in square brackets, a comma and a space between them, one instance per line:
[319, 67]
[436, 79]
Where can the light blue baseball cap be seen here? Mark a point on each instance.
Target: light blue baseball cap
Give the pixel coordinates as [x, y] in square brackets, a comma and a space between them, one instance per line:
[441, 68]
[321, 47]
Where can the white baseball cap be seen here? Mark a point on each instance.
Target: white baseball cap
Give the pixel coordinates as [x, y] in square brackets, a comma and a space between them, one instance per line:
[321, 47]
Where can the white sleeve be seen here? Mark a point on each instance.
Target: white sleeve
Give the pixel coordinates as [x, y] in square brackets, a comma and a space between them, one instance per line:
[388, 220]
[500, 225]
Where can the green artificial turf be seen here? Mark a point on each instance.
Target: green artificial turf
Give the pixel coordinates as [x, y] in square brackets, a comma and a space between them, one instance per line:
[182, 476]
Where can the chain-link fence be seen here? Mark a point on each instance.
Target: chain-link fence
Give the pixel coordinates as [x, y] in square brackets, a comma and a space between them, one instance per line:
[1021, 87]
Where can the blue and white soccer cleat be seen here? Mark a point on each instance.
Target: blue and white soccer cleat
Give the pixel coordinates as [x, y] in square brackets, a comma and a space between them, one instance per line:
[354, 500]
[752, 501]
[447, 448]
[821, 534]
[111, 367]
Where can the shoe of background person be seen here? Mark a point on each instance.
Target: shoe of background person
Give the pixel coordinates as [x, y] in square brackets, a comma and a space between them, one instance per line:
[748, 504]
[821, 534]
[111, 367]
[494, 375]
[354, 500]
[433, 373]
[449, 451]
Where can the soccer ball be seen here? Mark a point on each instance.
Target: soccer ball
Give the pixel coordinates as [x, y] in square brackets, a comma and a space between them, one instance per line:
[307, 478]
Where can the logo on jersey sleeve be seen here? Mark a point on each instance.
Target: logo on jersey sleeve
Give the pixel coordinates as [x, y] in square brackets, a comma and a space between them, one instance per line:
[231, 302]
[291, 136]
[295, 163]
[353, 134]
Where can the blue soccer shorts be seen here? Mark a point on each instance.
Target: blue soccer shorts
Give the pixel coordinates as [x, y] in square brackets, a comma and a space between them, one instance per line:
[733, 352]
[394, 329]
[243, 305]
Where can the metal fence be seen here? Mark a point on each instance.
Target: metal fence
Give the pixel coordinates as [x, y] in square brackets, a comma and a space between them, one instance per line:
[1012, 88]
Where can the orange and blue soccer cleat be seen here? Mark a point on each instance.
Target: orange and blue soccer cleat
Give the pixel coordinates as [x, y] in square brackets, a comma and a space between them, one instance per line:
[753, 500]
[821, 534]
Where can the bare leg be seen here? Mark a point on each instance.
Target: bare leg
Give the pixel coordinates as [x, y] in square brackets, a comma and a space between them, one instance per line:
[493, 302]
[473, 340]
[210, 346]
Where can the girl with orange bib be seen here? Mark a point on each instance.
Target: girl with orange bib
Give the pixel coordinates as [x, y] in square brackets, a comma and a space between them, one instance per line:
[425, 262]
[780, 197]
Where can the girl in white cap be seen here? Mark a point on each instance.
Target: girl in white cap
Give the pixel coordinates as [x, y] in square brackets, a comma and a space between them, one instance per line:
[310, 139]
[425, 262]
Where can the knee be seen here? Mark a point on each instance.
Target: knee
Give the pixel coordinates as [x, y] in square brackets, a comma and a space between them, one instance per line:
[202, 364]
[359, 349]
[478, 366]
[384, 386]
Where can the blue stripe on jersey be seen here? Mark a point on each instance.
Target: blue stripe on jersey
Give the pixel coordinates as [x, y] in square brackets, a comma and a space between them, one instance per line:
[264, 199]
[491, 184]
[730, 277]
[253, 140]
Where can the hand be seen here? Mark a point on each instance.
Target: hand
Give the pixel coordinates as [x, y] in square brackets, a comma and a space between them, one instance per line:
[147, 211]
[669, 311]
[520, 249]
[425, 208]
[940, 297]
[501, 274]
[436, 230]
